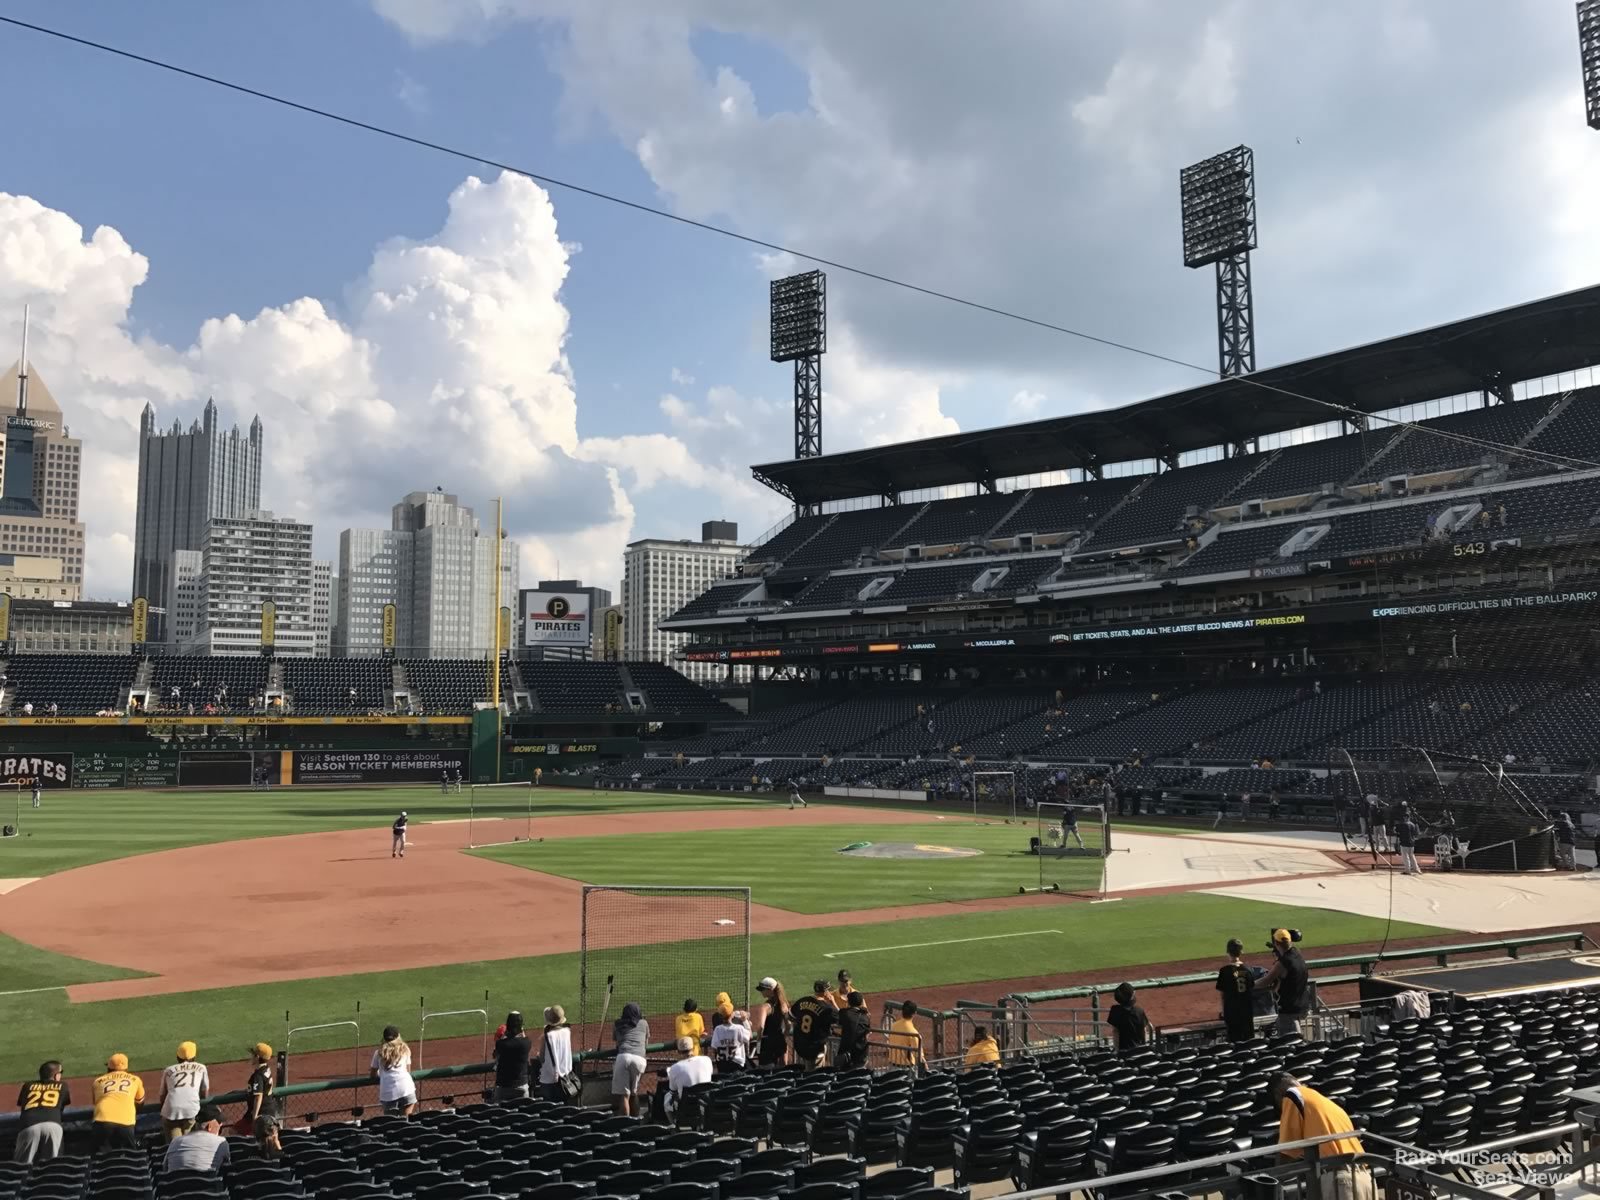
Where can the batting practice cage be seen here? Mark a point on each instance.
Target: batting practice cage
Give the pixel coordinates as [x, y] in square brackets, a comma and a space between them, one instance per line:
[1072, 843]
[1456, 695]
[659, 946]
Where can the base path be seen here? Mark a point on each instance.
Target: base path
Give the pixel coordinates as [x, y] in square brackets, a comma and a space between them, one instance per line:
[327, 904]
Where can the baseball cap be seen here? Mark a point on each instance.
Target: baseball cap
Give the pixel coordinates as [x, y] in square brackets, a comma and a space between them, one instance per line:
[117, 1062]
[820, 986]
[207, 1114]
[187, 1051]
[402, 812]
[261, 1050]
[767, 984]
[1281, 937]
[686, 1044]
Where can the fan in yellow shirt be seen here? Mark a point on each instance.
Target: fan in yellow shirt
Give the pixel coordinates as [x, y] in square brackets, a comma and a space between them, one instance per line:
[905, 1039]
[690, 1024]
[984, 1050]
[117, 1096]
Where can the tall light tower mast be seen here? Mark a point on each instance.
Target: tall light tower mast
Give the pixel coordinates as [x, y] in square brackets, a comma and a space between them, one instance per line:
[1219, 226]
[1589, 52]
[800, 336]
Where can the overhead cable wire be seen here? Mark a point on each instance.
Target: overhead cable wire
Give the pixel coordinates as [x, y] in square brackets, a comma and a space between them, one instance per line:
[1347, 412]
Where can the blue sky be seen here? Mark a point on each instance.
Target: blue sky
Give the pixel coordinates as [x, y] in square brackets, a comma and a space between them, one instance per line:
[183, 171]
[399, 327]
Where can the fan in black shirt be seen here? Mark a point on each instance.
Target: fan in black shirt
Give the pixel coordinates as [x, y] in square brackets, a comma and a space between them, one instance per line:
[39, 1109]
[854, 1025]
[1237, 986]
[1128, 1020]
[813, 1022]
[511, 1061]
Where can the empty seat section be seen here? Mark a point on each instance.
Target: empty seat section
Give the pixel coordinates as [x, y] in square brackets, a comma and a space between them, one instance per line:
[1066, 508]
[338, 685]
[1156, 513]
[960, 520]
[77, 684]
[447, 686]
[667, 692]
[786, 540]
[850, 533]
[721, 595]
[1299, 470]
[590, 687]
[1179, 723]
[1313, 720]
[1441, 443]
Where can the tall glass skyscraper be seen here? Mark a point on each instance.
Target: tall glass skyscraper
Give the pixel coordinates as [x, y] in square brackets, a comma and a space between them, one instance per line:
[186, 478]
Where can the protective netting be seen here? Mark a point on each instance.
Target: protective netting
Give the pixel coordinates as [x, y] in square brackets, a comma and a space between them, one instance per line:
[1072, 842]
[659, 946]
[1467, 701]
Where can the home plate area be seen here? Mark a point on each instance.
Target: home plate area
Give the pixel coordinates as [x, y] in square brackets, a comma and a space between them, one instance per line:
[907, 850]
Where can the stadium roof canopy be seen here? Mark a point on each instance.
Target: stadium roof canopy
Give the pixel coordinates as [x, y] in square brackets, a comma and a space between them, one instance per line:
[1488, 352]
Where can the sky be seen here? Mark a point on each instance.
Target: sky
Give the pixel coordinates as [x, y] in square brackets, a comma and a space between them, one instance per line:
[403, 319]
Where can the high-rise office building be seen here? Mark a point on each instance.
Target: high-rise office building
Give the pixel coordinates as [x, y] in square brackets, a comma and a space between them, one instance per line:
[187, 478]
[659, 577]
[322, 606]
[245, 562]
[437, 567]
[39, 478]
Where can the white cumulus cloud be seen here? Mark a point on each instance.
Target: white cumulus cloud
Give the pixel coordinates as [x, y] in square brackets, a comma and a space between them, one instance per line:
[446, 368]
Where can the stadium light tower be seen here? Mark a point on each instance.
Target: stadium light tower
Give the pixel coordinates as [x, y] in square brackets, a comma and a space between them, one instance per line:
[800, 336]
[1219, 226]
[1589, 51]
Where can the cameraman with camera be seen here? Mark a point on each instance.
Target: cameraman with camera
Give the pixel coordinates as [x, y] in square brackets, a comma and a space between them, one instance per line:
[1290, 978]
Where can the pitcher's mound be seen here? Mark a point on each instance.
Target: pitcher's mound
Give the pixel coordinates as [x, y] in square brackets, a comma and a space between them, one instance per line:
[907, 850]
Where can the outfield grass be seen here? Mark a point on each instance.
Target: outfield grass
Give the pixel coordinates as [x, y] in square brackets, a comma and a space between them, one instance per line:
[75, 828]
[799, 868]
[892, 958]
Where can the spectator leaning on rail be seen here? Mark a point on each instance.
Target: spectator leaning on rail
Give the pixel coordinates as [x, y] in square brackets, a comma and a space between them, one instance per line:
[555, 1053]
[632, 1035]
[511, 1051]
[1303, 1113]
[183, 1086]
[391, 1067]
[117, 1095]
[39, 1108]
[202, 1147]
[689, 1023]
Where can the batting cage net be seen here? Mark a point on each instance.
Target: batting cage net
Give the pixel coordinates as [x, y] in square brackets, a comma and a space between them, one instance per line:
[1072, 842]
[1454, 811]
[659, 946]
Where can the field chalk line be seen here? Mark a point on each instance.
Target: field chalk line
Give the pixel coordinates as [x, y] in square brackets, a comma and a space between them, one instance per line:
[60, 987]
[992, 937]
